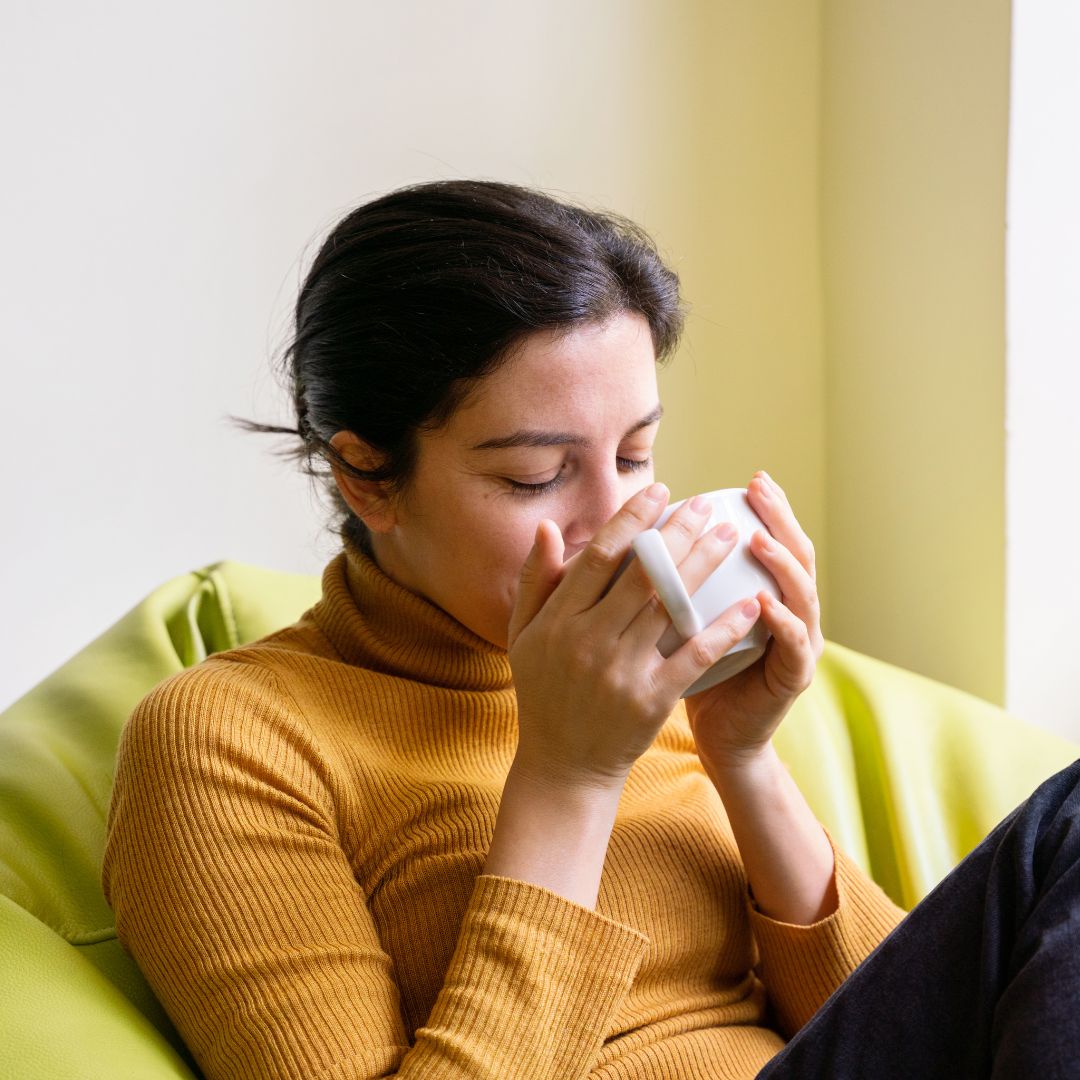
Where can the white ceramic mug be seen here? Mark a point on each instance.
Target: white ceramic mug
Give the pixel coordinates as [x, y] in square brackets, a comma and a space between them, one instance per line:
[738, 577]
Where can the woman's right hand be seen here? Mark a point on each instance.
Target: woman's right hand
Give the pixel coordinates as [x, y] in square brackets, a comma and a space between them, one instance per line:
[593, 689]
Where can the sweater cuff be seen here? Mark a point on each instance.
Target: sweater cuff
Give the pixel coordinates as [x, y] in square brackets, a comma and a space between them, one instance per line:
[802, 965]
[533, 986]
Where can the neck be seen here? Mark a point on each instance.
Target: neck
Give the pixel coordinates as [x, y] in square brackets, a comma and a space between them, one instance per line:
[376, 621]
[386, 554]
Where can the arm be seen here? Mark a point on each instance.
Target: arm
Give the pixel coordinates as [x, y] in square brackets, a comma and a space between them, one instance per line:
[814, 914]
[788, 858]
[592, 688]
[553, 835]
[235, 896]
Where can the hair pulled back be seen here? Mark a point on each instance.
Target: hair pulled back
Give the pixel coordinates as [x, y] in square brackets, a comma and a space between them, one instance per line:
[417, 295]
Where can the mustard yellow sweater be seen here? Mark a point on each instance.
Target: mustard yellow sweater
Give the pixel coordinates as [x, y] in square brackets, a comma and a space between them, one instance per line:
[294, 857]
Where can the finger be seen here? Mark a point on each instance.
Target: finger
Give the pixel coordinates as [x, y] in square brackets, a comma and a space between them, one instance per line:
[791, 660]
[707, 553]
[591, 570]
[625, 600]
[539, 578]
[797, 588]
[694, 657]
[771, 504]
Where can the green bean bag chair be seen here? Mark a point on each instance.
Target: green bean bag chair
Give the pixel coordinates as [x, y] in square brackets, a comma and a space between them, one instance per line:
[908, 774]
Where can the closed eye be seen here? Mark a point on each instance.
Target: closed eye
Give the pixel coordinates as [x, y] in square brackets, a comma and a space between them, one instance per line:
[527, 490]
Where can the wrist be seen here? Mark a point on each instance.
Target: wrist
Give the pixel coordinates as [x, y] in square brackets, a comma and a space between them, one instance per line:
[786, 853]
[570, 784]
[743, 766]
[553, 833]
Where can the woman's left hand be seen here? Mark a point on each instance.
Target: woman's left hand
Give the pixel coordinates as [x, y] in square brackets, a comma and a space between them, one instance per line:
[734, 721]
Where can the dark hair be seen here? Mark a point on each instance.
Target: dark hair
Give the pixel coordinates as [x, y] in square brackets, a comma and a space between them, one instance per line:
[418, 294]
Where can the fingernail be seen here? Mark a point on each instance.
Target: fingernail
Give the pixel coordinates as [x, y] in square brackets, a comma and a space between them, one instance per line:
[655, 492]
[726, 531]
[750, 609]
[699, 504]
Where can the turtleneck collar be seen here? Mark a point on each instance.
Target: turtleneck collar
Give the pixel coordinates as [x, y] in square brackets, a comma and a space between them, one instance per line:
[376, 623]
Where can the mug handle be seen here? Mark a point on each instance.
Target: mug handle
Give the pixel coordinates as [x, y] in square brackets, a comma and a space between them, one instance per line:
[650, 548]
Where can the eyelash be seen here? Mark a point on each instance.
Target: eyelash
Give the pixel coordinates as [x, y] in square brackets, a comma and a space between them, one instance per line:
[530, 490]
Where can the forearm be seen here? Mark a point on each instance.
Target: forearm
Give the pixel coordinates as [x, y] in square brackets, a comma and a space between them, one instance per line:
[553, 835]
[787, 856]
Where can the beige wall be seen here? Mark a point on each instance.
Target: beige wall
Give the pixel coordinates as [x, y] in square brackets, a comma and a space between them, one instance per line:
[845, 259]
[915, 100]
[176, 164]
[746, 391]
[179, 162]
[826, 175]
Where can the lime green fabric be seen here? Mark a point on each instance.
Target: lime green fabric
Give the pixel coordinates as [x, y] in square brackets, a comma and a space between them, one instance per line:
[60, 1017]
[57, 749]
[907, 773]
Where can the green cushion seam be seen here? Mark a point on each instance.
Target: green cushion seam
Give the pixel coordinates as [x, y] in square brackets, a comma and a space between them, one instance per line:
[91, 937]
[872, 785]
[211, 575]
[73, 935]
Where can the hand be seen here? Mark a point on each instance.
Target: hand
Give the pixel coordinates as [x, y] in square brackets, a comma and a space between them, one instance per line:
[734, 721]
[593, 690]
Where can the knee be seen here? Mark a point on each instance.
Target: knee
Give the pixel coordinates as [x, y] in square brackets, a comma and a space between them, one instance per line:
[1055, 821]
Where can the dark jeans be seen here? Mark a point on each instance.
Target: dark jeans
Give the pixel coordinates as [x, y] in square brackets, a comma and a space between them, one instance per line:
[982, 977]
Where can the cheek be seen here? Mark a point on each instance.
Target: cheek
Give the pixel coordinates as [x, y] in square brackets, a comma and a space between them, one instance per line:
[492, 542]
[491, 564]
[510, 543]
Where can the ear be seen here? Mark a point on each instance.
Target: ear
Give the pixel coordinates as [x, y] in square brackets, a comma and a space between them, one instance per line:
[368, 499]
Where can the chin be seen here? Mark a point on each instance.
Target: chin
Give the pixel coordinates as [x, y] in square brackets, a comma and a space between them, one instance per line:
[496, 627]
[489, 624]
[491, 636]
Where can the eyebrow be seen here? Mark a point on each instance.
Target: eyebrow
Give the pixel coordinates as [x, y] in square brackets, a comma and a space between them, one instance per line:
[558, 438]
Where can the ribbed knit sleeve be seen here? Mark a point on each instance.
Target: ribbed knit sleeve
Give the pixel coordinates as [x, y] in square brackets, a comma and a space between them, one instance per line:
[802, 965]
[531, 989]
[233, 893]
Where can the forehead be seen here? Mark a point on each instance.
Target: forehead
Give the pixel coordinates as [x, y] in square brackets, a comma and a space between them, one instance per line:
[595, 375]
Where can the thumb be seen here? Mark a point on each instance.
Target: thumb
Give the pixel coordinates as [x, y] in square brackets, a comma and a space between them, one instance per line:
[540, 575]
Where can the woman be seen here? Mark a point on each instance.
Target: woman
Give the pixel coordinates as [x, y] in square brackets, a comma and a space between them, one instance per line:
[456, 821]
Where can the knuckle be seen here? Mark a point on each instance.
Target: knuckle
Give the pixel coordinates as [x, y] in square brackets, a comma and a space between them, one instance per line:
[791, 626]
[530, 574]
[702, 652]
[640, 577]
[639, 511]
[654, 607]
[798, 638]
[581, 658]
[682, 524]
[807, 553]
[612, 685]
[599, 555]
[714, 544]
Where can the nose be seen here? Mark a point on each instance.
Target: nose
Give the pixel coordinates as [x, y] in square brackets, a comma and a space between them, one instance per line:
[597, 503]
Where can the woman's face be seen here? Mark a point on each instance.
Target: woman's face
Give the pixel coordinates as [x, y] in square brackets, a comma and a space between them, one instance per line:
[564, 430]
